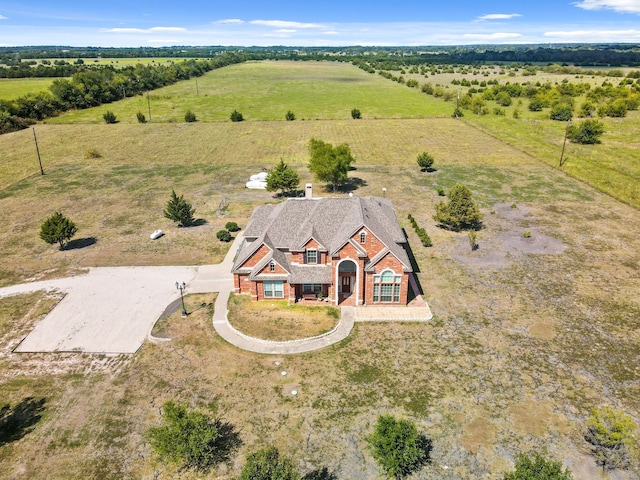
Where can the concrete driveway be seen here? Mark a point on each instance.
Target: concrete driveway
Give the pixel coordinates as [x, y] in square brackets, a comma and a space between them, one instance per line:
[108, 310]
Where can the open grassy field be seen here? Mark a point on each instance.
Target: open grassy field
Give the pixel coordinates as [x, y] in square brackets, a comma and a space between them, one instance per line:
[528, 334]
[11, 88]
[267, 90]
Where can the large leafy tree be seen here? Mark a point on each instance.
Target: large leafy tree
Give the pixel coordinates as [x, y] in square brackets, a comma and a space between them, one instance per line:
[282, 177]
[57, 229]
[460, 212]
[267, 464]
[398, 447]
[328, 163]
[179, 210]
[537, 468]
[192, 439]
[611, 434]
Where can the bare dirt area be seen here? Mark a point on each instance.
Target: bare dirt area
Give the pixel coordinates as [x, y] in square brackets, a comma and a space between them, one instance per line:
[507, 235]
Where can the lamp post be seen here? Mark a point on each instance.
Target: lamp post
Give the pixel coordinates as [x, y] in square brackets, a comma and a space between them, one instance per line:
[181, 287]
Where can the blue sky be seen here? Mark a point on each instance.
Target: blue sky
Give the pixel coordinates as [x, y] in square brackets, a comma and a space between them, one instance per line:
[134, 23]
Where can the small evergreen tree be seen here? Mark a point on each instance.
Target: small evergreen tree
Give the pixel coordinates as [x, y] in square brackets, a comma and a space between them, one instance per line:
[537, 469]
[355, 114]
[141, 118]
[179, 210]
[236, 116]
[190, 117]
[290, 116]
[109, 117]
[460, 212]
[561, 112]
[425, 161]
[57, 229]
[283, 178]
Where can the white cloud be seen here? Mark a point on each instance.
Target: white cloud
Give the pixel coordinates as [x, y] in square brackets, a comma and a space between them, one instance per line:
[492, 36]
[498, 16]
[621, 6]
[2, 17]
[230, 21]
[285, 24]
[168, 41]
[583, 35]
[148, 30]
[286, 30]
[330, 32]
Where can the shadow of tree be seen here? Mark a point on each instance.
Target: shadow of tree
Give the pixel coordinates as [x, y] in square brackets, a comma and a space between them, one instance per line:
[351, 184]
[227, 443]
[16, 422]
[198, 222]
[320, 474]
[80, 243]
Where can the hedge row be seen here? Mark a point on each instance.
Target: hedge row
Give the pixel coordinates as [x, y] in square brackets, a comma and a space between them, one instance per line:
[422, 233]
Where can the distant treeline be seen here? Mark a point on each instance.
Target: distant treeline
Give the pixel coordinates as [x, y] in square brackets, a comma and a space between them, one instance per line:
[608, 55]
[94, 85]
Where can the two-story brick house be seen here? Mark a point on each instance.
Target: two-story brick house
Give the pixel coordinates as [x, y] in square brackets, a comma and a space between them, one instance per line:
[350, 251]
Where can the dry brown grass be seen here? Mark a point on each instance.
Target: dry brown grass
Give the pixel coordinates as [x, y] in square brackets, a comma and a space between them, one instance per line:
[277, 320]
[515, 357]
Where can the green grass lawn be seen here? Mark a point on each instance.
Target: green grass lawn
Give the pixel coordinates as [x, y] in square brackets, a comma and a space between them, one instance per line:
[11, 88]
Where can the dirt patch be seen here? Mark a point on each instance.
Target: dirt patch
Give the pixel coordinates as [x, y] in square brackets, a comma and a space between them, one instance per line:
[480, 432]
[507, 235]
[542, 330]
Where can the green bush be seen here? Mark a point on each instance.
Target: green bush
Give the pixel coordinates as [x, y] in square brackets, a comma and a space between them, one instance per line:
[191, 439]
[561, 112]
[441, 192]
[223, 235]
[141, 118]
[537, 469]
[290, 116]
[232, 226]
[92, 153]
[236, 116]
[587, 132]
[190, 117]
[109, 117]
[355, 114]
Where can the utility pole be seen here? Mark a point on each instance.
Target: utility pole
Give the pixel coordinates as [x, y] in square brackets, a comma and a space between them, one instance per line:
[566, 133]
[38, 151]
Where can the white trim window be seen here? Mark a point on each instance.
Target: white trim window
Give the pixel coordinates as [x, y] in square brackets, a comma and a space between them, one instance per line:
[386, 287]
[273, 289]
[272, 266]
[311, 288]
[311, 256]
[363, 237]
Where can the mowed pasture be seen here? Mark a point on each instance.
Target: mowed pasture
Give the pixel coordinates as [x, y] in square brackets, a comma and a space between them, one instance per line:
[266, 91]
[11, 88]
[528, 335]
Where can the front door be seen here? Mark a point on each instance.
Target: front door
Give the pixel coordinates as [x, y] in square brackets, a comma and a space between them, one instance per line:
[346, 284]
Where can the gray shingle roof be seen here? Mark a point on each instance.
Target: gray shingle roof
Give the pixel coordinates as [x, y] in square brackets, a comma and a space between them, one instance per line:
[332, 222]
